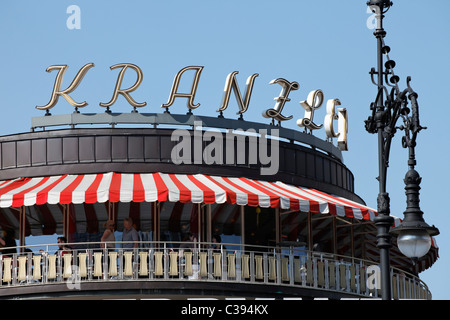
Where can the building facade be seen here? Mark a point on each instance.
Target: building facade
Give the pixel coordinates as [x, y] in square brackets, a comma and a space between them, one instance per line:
[282, 202]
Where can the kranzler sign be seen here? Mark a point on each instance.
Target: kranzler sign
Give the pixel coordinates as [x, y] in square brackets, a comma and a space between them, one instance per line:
[312, 103]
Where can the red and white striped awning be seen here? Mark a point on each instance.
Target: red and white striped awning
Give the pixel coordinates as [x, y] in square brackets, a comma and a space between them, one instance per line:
[151, 187]
[134, 193]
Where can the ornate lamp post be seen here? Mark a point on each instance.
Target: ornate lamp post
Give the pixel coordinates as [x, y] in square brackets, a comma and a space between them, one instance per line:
[414, 234]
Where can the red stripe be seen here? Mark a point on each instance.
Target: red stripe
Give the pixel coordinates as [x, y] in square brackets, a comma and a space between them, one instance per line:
[163, 191]
[42, 196]
[18, 198]
[252, 198]
[313, 204]
[90, 195]
[294, 203]
[331, 205]
[114, 189]
[364, 210]
[4, 182]
[209, 196]
[274, 198]
[231, 195]
[14, 185]
[348, 211]
[185, 193]
[138, 189]
[65, 196]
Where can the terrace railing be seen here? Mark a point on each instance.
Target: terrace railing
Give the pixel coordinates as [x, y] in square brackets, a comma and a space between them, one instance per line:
[156, 261]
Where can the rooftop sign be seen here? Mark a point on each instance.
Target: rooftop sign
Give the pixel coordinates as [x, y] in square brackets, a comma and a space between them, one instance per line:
[312, 103]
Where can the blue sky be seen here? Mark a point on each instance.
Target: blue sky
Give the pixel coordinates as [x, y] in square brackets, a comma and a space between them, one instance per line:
[322, 44]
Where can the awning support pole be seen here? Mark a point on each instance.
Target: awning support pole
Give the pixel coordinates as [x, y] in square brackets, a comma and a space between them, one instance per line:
[208, 223]
[109, 211]
[22, 229]
[199, 221]
[65, 221]
[241, 208]
[353, 240]
[277, 225]
[155, 206]
[310, 233]
[334, 236]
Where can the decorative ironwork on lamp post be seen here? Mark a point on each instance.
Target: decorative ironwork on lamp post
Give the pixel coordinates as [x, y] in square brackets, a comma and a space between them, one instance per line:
[414, 234]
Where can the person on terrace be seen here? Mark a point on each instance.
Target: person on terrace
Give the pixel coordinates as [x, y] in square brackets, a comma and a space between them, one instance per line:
[108, 238]
[130, 236]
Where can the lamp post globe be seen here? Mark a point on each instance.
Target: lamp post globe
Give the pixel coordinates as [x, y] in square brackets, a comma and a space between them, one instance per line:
[414, 244]
[413, 234]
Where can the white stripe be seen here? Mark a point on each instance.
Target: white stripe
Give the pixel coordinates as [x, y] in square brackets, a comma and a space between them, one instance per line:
[397, 221]
[30, 197]
[340, 210]
[103, 187]
[126, 187]
[196, 192]
[6, 199]
[340, 205]
[304, 204]
[263, 199]
[5, 184]
[355, 204]
[219, 193]
[174, 193]
[79, 193]
[55, 192]
[357, 213]
[323, 205]
[241, 197]
[285, 201]
[150, 190]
